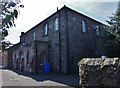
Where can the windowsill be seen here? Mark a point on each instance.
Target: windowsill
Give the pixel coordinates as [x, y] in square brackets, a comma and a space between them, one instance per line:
[56, 31]
[84, 32]
[97, 35]
[45, 35]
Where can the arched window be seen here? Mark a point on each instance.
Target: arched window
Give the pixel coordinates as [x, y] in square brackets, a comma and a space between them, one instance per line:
[14, 59]
[34, 35]
[84, 26]
[97, 30]
[56, 24]
[45, 30]
[27, 58]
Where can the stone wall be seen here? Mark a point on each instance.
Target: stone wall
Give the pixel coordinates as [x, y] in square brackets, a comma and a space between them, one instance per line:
[99, 72]
[82, 44]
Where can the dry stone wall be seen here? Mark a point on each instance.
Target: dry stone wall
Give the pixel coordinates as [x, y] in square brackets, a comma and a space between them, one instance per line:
[99, 72]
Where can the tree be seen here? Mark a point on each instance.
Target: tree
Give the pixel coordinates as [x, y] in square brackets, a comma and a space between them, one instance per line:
[9, 11]
[112, 36]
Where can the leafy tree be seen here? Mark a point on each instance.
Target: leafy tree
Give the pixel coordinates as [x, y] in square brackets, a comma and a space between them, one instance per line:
[112, 36]
[9, 11]
[4, 44]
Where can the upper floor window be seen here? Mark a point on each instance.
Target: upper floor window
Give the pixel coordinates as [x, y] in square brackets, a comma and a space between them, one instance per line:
[26, 39]
[34, 35]
[45, 30]
[56, 24]
[84, 26]
[97, 29]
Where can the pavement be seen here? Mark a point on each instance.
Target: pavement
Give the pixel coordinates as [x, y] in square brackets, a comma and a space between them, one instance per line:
[12, 77]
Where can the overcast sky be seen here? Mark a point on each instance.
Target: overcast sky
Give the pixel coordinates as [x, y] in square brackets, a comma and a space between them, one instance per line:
[36, 10]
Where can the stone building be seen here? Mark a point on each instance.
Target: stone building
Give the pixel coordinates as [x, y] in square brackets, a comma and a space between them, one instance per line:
[61, 40]
[4, 58]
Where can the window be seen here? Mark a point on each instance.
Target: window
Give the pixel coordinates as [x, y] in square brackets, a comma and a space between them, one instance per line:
[34, 35]
[26, 39]
[84, 26]
[14, 59]
[45, 30]
[27, 58]
[56, 24]
[97, 30]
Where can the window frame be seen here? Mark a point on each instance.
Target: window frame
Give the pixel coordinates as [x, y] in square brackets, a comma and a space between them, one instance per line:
[56, 24]
[27, 58]
[84, 26]
[34, 35]
[45, 29]
[97, 30]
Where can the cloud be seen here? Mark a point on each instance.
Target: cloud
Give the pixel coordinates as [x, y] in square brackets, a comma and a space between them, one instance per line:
[97, 10]
[82, 1]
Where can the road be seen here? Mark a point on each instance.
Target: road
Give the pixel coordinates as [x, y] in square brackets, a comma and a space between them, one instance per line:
[12, 78]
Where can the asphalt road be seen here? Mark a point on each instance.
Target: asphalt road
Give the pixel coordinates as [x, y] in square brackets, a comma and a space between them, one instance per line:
[12, 78]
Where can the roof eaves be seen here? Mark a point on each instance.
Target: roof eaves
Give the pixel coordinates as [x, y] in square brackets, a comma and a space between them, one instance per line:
[64, 7]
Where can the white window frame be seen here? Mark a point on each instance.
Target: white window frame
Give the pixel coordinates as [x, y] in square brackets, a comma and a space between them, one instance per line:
[45, 31]
[34, 35]
[97, 30]
[56, 24]
[84, 26]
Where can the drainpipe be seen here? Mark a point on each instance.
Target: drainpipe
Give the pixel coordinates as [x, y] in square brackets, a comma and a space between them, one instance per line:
[59, 41]
[67, 42]
[35, 57]
[94, 37]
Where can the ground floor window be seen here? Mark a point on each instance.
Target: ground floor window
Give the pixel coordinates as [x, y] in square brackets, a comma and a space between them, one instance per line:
[27, 58]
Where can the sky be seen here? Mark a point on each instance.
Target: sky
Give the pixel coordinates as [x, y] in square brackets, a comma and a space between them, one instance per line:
[35, 11]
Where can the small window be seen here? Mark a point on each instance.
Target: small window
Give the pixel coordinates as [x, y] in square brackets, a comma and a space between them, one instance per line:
[34, 35]
[26, 39]
[84, 26]
[27, 58]
[45, 30]
[97, 30]
[56, 24]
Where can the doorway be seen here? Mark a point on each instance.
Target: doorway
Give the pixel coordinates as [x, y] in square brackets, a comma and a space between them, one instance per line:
[43, 58]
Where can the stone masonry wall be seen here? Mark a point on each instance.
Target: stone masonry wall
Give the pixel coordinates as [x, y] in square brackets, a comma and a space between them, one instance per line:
[99, 72]
[82, 44]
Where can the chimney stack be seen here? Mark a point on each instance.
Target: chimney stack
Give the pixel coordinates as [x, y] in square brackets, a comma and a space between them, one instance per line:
[22, 33]
[57, 8]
